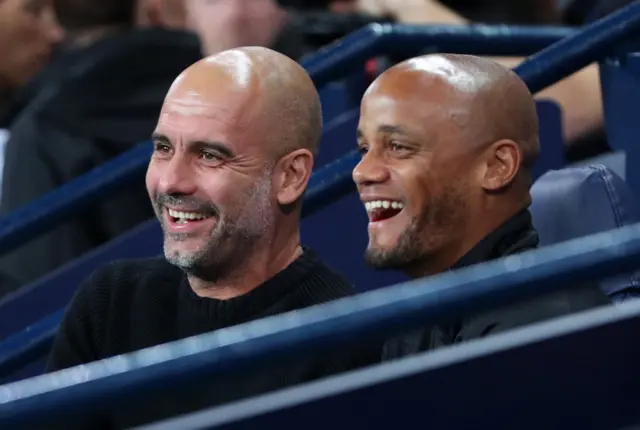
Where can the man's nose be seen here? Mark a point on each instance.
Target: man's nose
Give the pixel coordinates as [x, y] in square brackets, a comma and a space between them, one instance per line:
[370, 170]
[177, 177]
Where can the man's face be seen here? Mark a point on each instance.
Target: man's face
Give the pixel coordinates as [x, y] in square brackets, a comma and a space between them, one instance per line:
[28, 34]
[209, 180]
[415, 174]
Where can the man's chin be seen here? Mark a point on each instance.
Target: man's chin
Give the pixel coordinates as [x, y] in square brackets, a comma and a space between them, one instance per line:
[381, 258]
[179, 259]
[181, 255]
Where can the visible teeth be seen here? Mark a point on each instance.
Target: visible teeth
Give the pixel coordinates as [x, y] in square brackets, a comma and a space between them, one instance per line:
[184, 216]
[386, 204]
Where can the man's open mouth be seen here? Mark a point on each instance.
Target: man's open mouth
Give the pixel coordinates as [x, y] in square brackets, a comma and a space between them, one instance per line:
[183, 217]
[380, 210]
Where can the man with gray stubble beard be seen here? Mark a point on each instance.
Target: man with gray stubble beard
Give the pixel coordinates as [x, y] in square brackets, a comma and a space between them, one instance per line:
[234, 150]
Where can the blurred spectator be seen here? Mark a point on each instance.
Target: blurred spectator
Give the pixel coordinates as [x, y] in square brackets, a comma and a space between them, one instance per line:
[226, 24]
[293, 28]
[28, 34]
[307, 31]
[582, 117]
[99, 98]
[579, 12]
[498, 11]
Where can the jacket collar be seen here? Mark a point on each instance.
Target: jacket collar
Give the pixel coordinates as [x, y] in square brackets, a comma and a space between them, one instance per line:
[515, 235]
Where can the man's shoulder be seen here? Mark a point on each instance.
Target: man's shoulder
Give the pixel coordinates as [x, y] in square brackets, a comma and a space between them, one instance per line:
[324, 283]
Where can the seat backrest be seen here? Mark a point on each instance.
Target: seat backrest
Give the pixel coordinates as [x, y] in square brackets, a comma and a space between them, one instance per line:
[578, 201]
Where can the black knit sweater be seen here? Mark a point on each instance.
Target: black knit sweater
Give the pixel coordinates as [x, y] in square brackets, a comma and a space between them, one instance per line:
[131, 305]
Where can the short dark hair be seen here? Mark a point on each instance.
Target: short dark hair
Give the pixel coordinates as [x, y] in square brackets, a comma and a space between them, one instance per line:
[79, 15]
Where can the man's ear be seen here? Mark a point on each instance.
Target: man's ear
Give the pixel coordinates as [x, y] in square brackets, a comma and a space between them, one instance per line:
[292, 175]
[502, 164]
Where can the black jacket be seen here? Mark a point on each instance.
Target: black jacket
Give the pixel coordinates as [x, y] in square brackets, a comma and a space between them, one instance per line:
[89, 105]
[516, 235]
[130, 305]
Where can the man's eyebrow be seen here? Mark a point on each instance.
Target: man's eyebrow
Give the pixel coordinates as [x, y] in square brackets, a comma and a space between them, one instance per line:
[385, 128]
[159, 137]
[217, 146]
[392, 129]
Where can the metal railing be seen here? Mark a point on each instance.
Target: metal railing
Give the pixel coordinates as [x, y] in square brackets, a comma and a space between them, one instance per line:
[385, 312]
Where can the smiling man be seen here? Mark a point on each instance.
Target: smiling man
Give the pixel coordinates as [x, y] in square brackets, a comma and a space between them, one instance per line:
[234, 149]
[448, 143]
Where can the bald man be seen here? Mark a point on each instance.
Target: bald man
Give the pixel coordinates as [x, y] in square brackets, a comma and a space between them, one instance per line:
[234, 149]
[448, 144]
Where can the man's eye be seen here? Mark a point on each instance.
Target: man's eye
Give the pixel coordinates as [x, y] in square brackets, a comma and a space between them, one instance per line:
[209, 156]
[395, 146]
[162, 147]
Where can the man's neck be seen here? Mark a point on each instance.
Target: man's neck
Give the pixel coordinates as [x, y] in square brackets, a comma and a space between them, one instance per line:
[447, 256]
[440, 261]
[262, 265]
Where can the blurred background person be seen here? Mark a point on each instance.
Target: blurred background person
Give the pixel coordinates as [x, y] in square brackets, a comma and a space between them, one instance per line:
[292, 27]
[227, 24]
[29, 32]
[583, 120]
[102, 96]
[99, 98]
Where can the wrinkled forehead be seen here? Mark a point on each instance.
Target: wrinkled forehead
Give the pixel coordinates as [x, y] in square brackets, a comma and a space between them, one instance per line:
[225, 82]
[222, 113]
[423, 106]
[191, 111]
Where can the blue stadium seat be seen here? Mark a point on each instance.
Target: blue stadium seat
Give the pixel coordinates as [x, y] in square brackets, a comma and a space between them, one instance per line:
[579, 201]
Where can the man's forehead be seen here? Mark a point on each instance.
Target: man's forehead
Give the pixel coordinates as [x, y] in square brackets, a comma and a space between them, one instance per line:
[389, 108]
[192, 118]
[414, 114]
[222, 108]
[193, 105]
[437, 69]
[229, 72]
[413, 85]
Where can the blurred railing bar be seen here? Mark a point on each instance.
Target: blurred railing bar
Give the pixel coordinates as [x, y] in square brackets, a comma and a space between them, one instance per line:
[379, 313]
[405, 41]
[575, 52]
